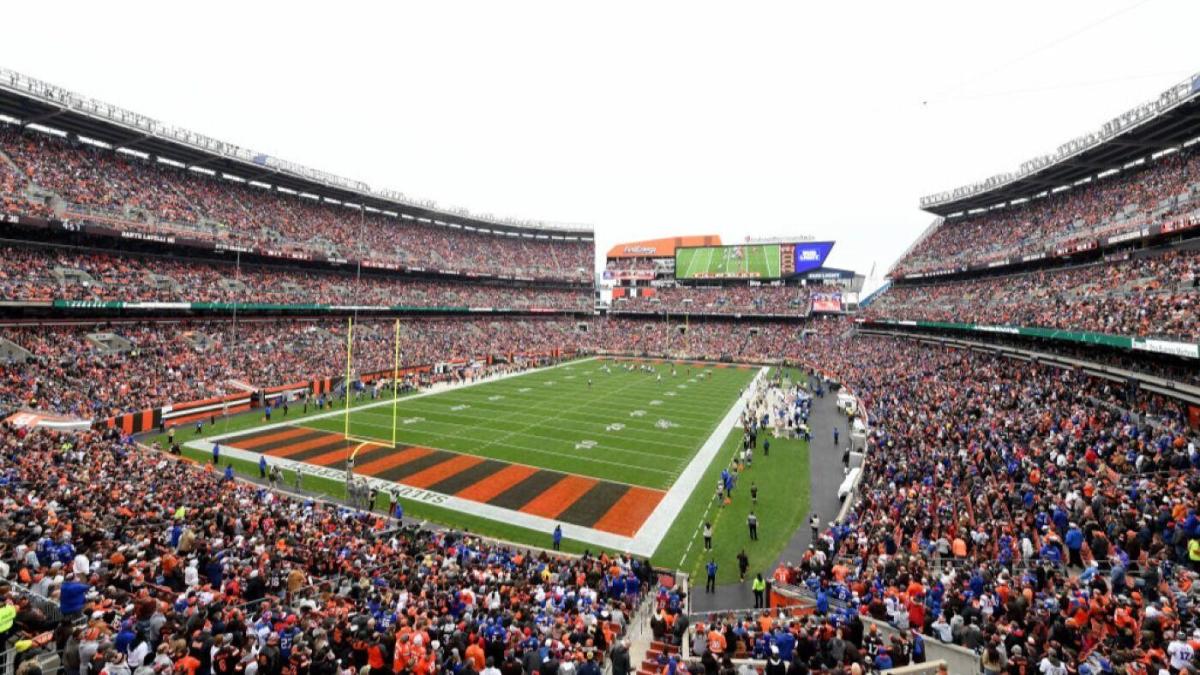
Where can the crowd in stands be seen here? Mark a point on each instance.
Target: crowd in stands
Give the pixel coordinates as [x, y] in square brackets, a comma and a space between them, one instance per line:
[1163, 190]
[1152, 296]
[1032, 514]
[739, 299]
[100, 185]
[125, 561]
[76, 370]
[41, 274]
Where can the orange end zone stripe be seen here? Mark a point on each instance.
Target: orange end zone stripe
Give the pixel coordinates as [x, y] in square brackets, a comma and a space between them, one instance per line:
[631, 510]
[251, 443]
[297, 448]
[337, 456]
[487, 489]
[384, 463]
[561, 495]
[440, 472]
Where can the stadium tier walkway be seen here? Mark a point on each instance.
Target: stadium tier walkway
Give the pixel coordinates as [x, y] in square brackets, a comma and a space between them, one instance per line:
[825, 476]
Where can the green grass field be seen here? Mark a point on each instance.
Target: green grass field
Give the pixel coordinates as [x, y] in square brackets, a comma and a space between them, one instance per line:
[628, 427]
[761, 261]
[633, 427]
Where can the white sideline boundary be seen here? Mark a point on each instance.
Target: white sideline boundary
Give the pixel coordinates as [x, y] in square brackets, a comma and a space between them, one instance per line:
[660, 521]
[643, 543]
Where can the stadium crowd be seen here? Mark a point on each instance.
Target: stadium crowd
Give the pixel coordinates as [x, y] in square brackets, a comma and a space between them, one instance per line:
[152, 364]
[130, 561]
[736, 299]
[1151, 296]
[41, 274]
[1162, 190]
[103, 186]
[1031, 514]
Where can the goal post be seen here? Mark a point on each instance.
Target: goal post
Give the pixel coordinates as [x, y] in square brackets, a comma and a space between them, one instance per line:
[364, 441]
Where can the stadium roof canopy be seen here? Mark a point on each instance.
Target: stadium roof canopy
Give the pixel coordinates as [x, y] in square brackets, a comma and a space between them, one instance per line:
[33, 102]
[1168, 122]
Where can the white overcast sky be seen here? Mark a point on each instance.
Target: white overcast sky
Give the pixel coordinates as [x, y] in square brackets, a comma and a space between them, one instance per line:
[642, 119]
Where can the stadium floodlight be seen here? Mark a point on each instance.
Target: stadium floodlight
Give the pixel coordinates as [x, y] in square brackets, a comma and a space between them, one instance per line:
[136, 153]
[230, 177]
[46, 130]
[96, 142]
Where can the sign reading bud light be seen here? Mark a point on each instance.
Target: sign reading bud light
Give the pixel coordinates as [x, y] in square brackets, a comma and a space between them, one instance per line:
[811, 255]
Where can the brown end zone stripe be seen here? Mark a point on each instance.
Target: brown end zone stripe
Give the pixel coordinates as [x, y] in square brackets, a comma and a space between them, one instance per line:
[440, 472]
[488, 469]
[559, 497]
[338, 457]
[251, 441]
[268, 447]
[592, 506]
[322, 442]
[628, 514]
[334, 443]
[397, 474]
[527, 490]
[377, 466]
[491, 487]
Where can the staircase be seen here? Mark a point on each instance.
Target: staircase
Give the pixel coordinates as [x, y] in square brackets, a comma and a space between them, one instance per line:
[650, 664]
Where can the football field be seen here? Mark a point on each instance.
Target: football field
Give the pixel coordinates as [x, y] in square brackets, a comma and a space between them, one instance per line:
[598, 446]
[760, 261]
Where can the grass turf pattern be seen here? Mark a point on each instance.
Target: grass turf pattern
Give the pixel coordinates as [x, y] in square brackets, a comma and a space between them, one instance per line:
[626, 427]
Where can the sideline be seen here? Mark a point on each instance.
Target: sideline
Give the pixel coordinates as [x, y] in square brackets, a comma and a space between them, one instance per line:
[663, 517]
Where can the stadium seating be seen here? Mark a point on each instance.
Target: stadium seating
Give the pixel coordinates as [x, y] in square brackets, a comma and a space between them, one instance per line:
[1148, 296]
[155, 562]
[789, 300]
[97, 185]
[1017, 502]
[1167, 188]
[71, 373]
[40, 274]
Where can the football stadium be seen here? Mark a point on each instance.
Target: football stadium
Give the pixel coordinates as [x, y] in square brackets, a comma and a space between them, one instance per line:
[263, 419]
